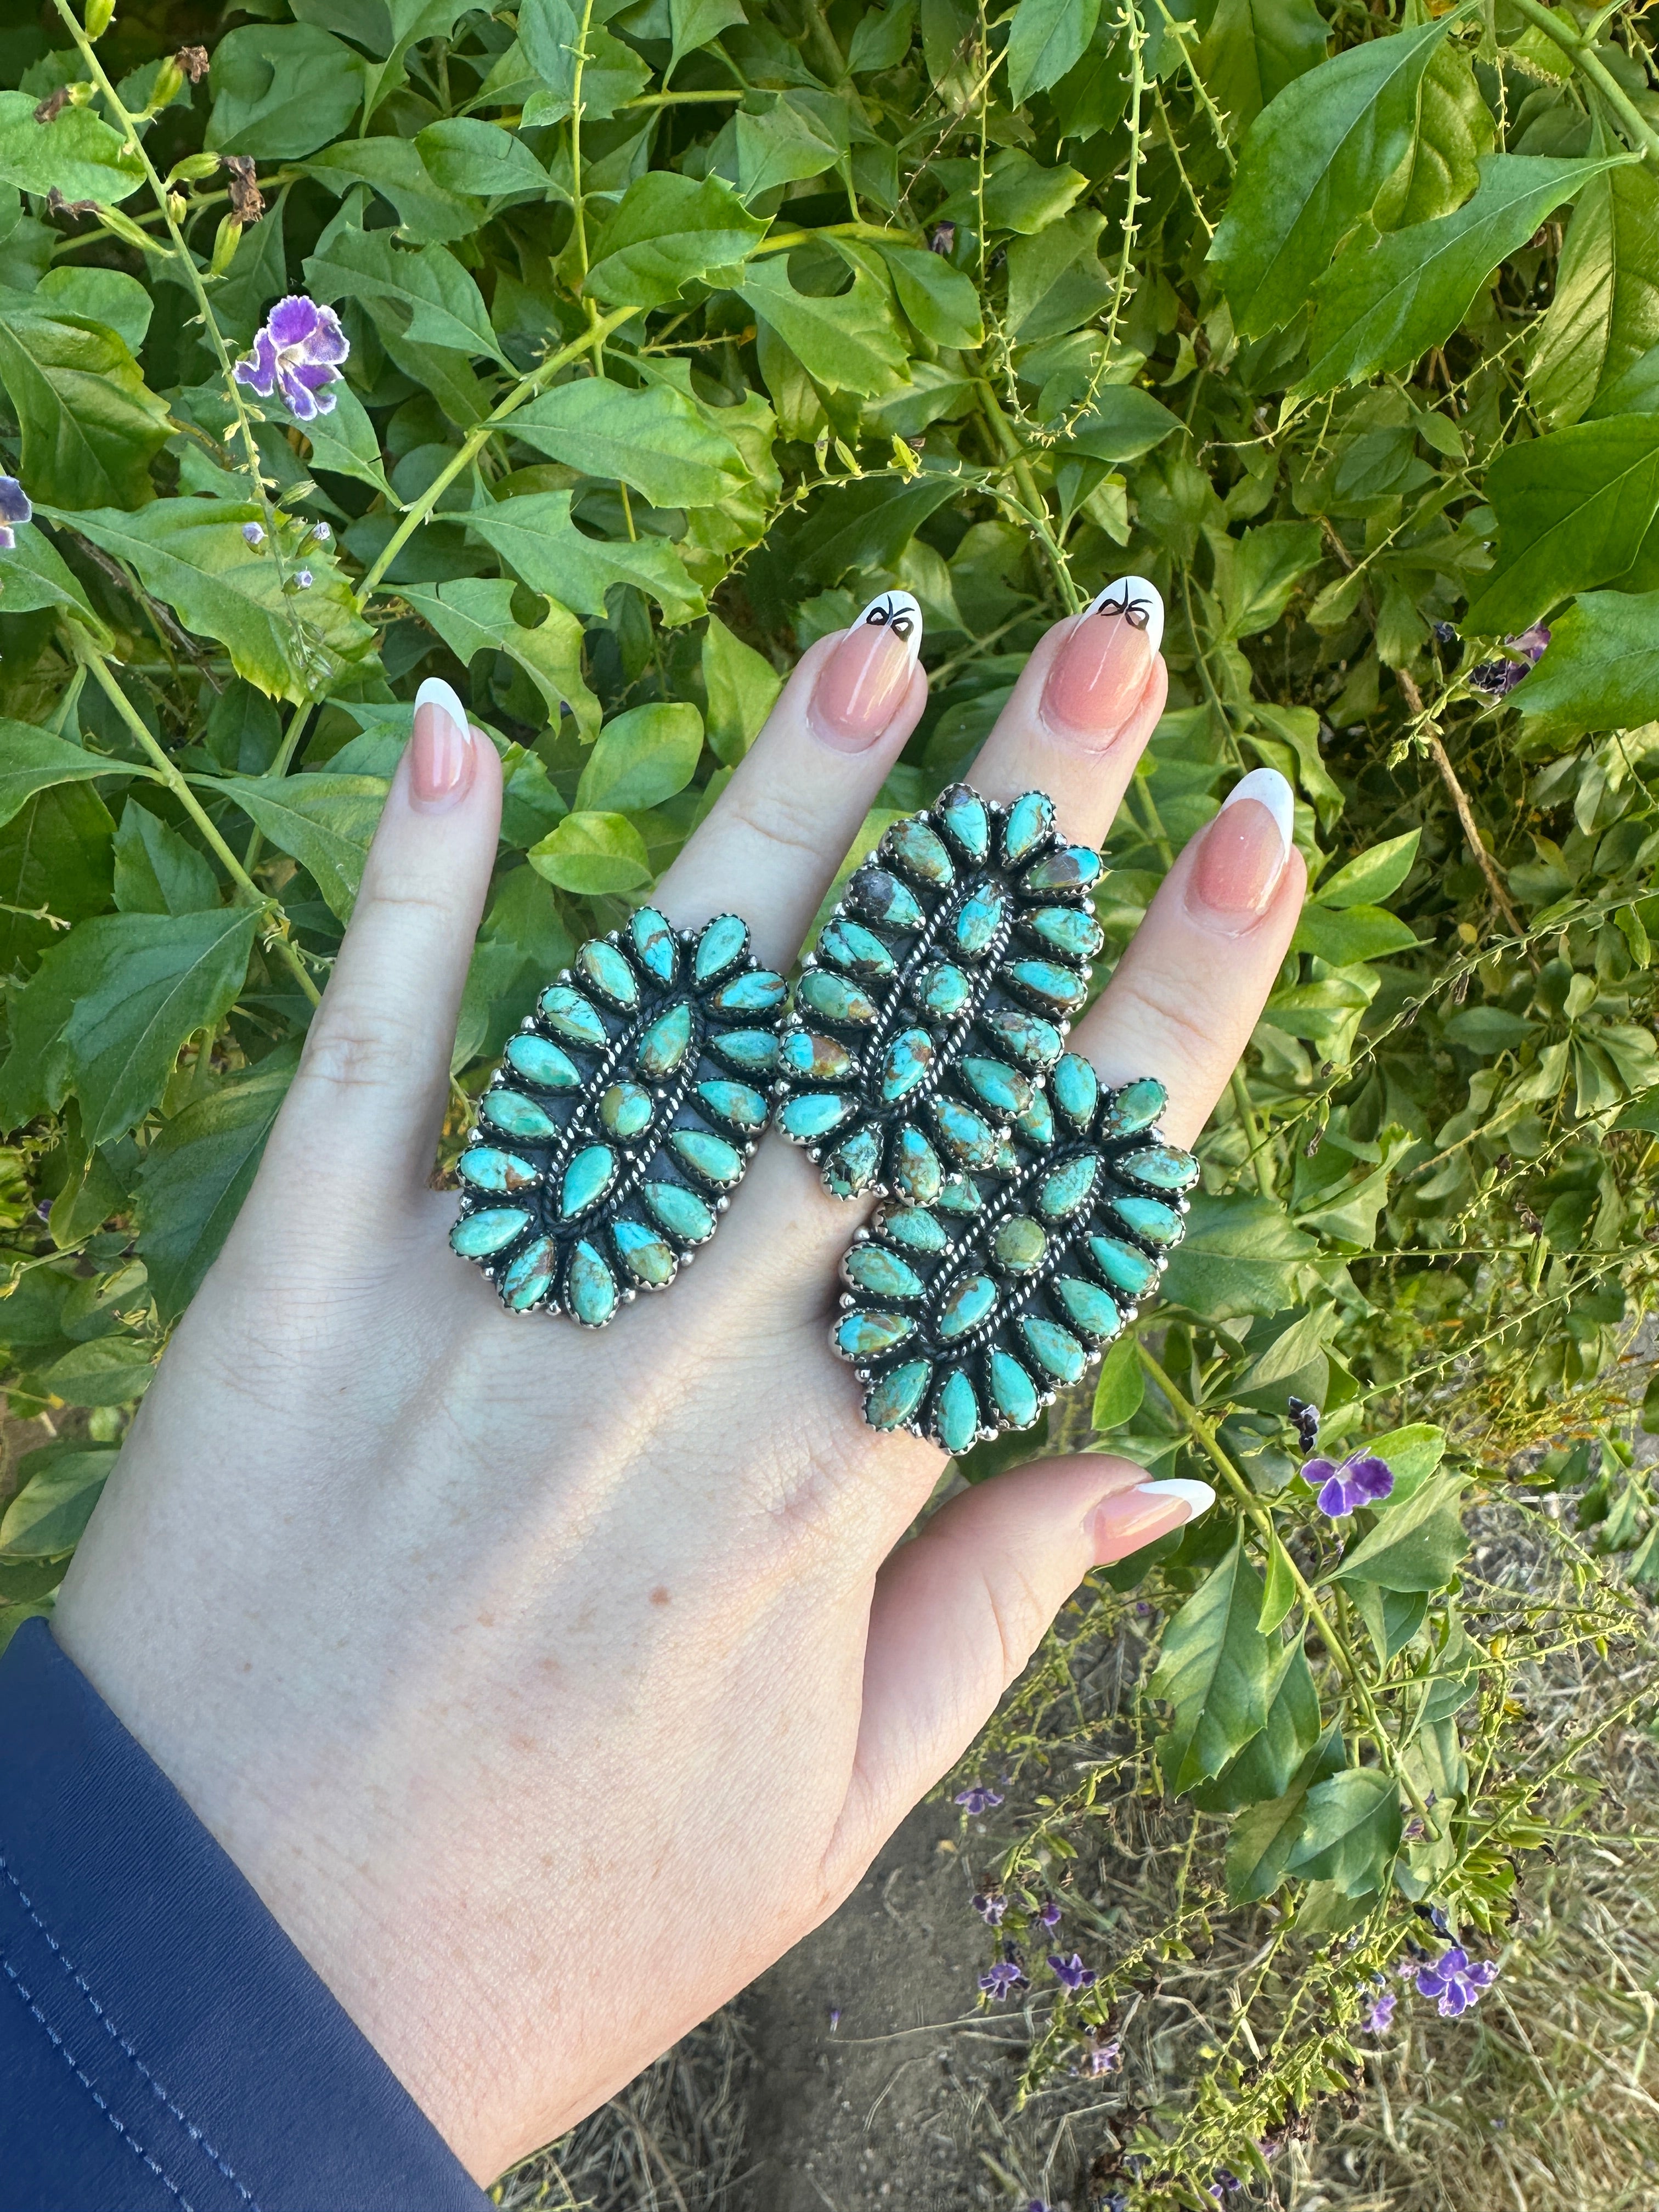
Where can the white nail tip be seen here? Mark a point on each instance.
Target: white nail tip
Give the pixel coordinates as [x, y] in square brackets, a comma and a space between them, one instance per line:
[898, 611]
[1197, 1497]
[1135, 593]
[434, 692]
[1269, 789]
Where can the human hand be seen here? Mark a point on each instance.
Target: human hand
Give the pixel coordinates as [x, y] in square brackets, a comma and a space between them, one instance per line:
[547, 1685]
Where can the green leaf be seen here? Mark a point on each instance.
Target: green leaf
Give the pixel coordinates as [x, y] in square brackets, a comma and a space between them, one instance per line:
[325, 822]
[1268, 1763]
[1056, 282]
[1351, 1832]
[111, 1371]
[1373, 875]
[784, 138]
[1123, 424]
[91, 426]
[98, 296]
[1254, 48]
[1385, 308]
[344, 442]
[1047, 38]
[1604, 314]
[1259, 572]
[59, 1486]
[697, 23]
[740, 686]
[640, 759]
[1413, 1453]
[424, 293]
[1574, 509]
[1022, 196]
[550, 34]
[1215, 1670]
[1121, 1387]
[1290, 1350]
[1455, 128]
[1415, 1546]
[77, 154]
[655, 439]
[1392, 1618]
[156, 872]
[480, 159]
[1280, 1594]
[1239, 1255]
[393, 168]
[1602, 670]
[595, 855]
[940, 300]
[859, 526]
[474, 615]
[847, 342]
[670, 231]
[281, 90]
[882, 38]
[55, 855]
[533, 532]
[199, 1170]
[1347, 936]
[33, 574]
[30, 761]
[1313, 163]
[1489, 1030]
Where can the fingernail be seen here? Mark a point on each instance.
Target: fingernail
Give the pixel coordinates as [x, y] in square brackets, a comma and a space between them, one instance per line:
[860, 685]
[1101, 670]
[1241, 855]
[1150, 1510]
[441, 753]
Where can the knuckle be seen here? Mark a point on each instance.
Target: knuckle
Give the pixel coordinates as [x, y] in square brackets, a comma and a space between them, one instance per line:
[1018, 1614]
[1180, 1021]
[351, 1049]
[780, 819]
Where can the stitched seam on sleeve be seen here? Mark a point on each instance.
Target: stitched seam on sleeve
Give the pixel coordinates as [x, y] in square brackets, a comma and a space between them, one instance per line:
[80, 1981]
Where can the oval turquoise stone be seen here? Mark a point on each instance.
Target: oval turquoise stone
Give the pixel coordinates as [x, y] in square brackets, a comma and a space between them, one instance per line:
[663, 1046]
[679, 1211]
[895, 1397]
[864, 1335]
[655, 943]
[529, 1279]
[586, 1180]
[1088, 1307]
[848, 945]
[1033, 1041]
[590, 1288]
[477, 1234]
[626, 1108]
[820, 1060]
[514, 1115]
[873, 1268]
[907, 1062]
[485, 1167]
[1062, 989]
[1073, 868]
[918, 853]
[814, 1115]
[968, 1304]
[1134, 1108]
[1030, 819]
[1164, 1167]
[956, 1413]
[1055, 1350]
[543, 1064]
[1075, 1086]
[852, 1167]
[958, 1194]
[609, 973]
[944, 992]
[835, 999]
[1069, 929]
[756, 1051]
[1019, 1244]
[1012, 1391]
[758, 991]
[964, 1135]
[978, 920]
[1037, 1123]
[568, 1012]
[914, 1228]
[707, 1155]
[723, 943]
[1123, 1266]
[645, 1255]
[880, 897]
[1149, 1217]
[918, 1176]
[963, 813]
[1000, 1088]
[1069, 1188]
[737, 1102]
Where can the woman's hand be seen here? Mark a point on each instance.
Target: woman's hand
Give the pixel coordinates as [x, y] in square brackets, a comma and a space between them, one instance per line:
[548, 1685]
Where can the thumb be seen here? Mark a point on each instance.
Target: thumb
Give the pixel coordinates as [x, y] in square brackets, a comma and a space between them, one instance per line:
[958, 1611]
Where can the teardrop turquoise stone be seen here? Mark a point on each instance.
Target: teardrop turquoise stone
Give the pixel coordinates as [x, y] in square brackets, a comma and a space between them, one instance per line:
[850, 944]
[590, 1288]
[1073, 868]
[835, 999]
[723, 942]
[1068, 1187]
[864, 1335]
[569, 1012]
[1003, 1091]
[1033, 1041]
[1062, 989]
[958, 1194]
[964, 1135]
[738, 1103]
[1012, 1391]
[895, 1397]
[527, 1281]
[1149, 1217]
[707, 1155]
[511, 1112]
[477, 1234]
[1088, 1307]
[756, 991]
[609, 973]
[944, 993]
[969, 1301]
[906, 1063]
[1123, 1266]
[963, 812]
[1075, 1086]
[813, 1114]
[679, 1211]
[1053, 1348]
[543, 1064]
[918, 1177]
[644, 1254]
[956, 1413]
[1019, 1244]
[1166, 1167]
[873, 1268]
[880, 897]
[655, 943]
[1134, 1108]
[852, 1167]
[1030, 819]
[1037, 1123]
[913, 1227]
[755, 1051]
[919, 852]
[820, 1060]
[1069, 929]
[502, 1173]
[663, 1046]
[586, 1180]
[978, 920]
[626, 1108]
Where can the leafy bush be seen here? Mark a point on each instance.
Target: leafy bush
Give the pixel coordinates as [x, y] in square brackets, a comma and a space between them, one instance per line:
[676, 329]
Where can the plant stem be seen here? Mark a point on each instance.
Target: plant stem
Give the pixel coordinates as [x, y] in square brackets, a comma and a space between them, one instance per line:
[1640, 132]
[783, 241]
[274, 773]
[1003, 432]
[1261, 1157]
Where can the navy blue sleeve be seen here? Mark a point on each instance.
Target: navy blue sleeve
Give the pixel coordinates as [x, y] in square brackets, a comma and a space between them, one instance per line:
[163, 2045]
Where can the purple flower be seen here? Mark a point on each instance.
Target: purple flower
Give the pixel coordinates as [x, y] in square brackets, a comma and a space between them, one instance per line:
[322, 533]
[991, 1905]
[1073, 1971]
[835, 2018]
[1003, 1979]
[1532, 642]
[978, 1798]
[1105, 2054]
[1498, 678]
[1361, 1480]
[303, 580]
[1050, 1915]
[1379, 2015]
[254, 533]
[14, 511]
[1306, 1417]
[1454, 1982]
[1224, 2185]
[298, 353]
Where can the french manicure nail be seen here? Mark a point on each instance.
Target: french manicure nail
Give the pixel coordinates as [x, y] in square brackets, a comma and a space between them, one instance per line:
[1123, 1522]
[1241, 855]
[441, 757]
[861, 683]
[1101, 670]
